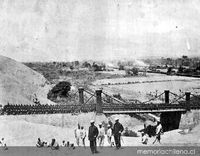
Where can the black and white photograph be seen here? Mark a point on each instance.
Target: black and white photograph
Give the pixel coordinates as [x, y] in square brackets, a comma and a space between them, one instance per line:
[99, 77]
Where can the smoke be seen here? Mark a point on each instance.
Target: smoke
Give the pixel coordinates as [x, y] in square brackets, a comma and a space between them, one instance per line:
[140, 63]
[188, 45]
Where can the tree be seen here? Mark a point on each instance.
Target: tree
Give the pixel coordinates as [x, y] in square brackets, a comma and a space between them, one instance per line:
[76, 63]
[180, 69]
[59, 90]
[71, 67]
[86, 65]
[169, 70]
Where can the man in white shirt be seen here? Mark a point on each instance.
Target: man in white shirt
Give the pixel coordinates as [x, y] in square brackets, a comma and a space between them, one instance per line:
[101, 135]
[109, 134]
[158, 132]
[77, 134]
[83, 135]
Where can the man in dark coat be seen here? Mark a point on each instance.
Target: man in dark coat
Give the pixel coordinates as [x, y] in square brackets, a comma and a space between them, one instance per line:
[92, 136]
[117, 130]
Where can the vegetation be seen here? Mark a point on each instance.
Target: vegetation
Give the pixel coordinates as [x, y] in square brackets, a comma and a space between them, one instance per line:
[60, 90]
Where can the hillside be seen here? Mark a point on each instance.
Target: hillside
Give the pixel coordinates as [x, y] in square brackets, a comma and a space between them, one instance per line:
[20, 84]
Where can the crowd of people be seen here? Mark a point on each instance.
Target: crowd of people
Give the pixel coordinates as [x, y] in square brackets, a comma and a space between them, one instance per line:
[113, 132]
[96, 136]
[54, 144]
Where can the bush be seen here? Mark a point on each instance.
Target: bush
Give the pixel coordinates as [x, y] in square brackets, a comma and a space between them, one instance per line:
[59, 90]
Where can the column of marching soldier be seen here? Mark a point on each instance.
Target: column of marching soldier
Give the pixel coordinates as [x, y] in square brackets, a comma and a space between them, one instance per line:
[11, 109]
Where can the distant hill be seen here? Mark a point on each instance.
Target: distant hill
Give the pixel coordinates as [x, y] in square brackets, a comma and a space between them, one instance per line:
[20, 84]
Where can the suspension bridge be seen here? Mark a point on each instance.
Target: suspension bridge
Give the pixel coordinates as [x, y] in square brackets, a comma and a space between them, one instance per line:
[102, 102]
[167, 102]
[168, 105]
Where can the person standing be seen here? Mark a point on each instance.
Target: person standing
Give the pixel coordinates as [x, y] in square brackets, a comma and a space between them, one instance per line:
[83, 135]
[109, 135]
[158, 132]
[117, 130]
[92, 136]
[110, 122]
[77, 134]
[101, 135]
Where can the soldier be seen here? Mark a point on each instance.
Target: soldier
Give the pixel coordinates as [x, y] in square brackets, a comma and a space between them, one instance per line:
[92, 136]
[117, 130]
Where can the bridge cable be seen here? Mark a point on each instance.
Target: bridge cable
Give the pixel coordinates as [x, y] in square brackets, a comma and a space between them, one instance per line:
[153, 98]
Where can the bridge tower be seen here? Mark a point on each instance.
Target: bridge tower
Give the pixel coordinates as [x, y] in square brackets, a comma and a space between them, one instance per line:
[99, 101]
[169, 120]
[167, 96]
[81, 95]
[187, 99]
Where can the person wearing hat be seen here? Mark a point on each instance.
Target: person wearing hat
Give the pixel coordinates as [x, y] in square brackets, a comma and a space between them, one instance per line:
[117, 130]
[92, 136]
[101, 135]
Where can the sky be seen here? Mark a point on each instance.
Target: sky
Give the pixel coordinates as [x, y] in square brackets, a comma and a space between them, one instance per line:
[67, 30]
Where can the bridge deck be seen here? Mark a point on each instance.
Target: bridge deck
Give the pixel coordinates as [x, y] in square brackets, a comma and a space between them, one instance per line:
[142, 111]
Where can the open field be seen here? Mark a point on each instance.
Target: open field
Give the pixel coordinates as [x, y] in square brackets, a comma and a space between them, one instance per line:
[141, 88]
